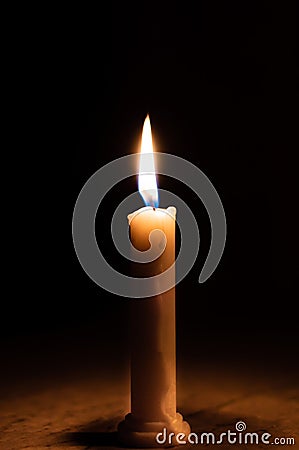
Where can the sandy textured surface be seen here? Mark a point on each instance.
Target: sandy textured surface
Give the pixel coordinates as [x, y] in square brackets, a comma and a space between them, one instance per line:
[82, 413]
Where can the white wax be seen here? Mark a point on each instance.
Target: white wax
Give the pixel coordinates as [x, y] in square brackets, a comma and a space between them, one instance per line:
[153, 355]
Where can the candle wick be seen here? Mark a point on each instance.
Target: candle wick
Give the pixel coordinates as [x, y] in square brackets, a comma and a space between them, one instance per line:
[154, 208]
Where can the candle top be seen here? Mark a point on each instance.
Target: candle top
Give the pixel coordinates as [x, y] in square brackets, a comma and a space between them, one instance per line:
[157, 212]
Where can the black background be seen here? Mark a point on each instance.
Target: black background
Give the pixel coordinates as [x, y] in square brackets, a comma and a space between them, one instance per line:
[219, 83]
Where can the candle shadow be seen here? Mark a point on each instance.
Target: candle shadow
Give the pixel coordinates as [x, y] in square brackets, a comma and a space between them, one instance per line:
[96, 434]
[94, 439]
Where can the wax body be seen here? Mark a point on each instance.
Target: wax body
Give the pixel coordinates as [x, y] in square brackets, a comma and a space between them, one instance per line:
[153, 349]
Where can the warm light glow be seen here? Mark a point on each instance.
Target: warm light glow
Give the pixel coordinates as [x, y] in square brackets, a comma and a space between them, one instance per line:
[147, 183]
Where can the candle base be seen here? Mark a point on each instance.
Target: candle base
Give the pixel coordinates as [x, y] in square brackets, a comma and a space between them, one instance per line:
[137, 433]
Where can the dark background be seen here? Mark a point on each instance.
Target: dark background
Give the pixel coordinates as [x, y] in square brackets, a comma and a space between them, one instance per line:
[219, 83]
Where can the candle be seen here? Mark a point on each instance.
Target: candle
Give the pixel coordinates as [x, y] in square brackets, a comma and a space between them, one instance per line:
[153, 353]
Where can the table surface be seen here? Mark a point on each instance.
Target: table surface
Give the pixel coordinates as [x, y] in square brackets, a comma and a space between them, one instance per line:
[55, 408]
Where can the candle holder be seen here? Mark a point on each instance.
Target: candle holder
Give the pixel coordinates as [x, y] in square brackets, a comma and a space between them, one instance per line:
[135, 432]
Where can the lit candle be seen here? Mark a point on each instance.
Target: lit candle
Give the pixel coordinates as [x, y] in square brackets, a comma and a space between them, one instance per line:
[153, 353]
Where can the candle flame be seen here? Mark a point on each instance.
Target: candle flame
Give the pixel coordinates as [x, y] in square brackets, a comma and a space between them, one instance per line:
[147, 183]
